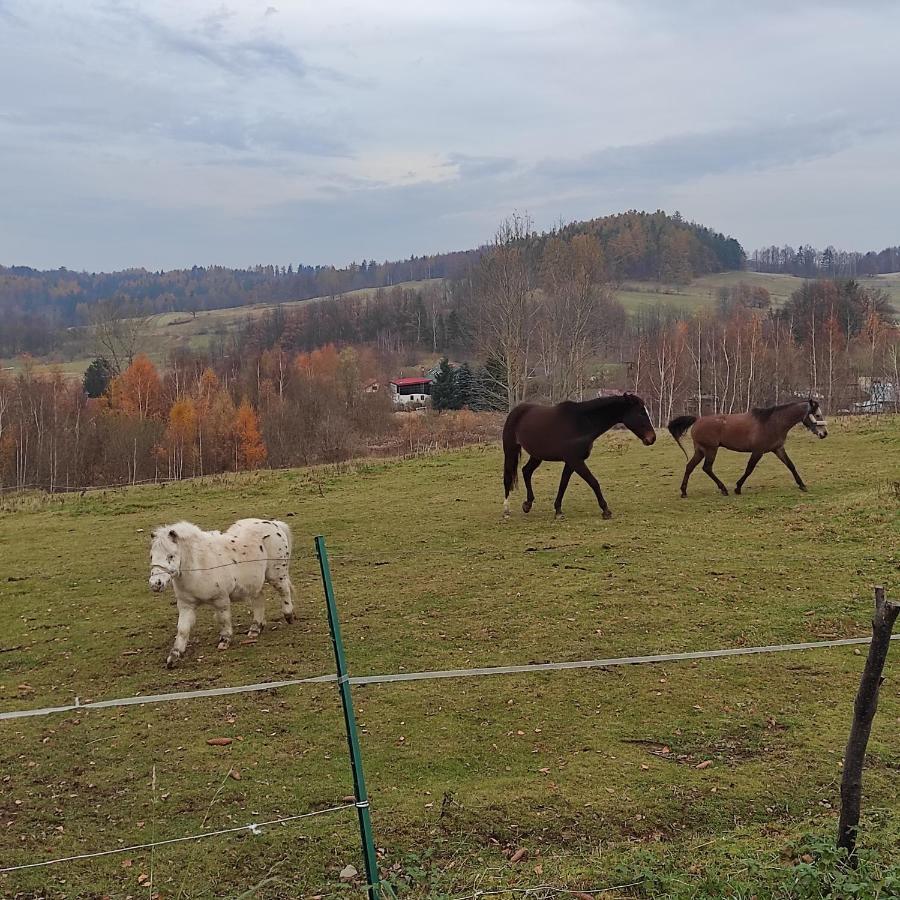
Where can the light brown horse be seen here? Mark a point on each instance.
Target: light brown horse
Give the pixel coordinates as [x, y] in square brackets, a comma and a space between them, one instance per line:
[566, 433]
[757, 432]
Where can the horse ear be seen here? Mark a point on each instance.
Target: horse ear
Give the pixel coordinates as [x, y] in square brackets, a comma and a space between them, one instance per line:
[172, 534]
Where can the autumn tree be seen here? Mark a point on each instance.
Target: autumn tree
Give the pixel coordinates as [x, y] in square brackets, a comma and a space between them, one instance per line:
[181, 435]
[249, 448]
[137, 391]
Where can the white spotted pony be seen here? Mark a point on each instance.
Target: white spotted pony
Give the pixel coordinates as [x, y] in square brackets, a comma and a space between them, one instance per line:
[214, 568]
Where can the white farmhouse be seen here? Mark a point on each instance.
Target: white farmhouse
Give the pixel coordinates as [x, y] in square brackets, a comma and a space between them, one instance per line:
[411, 391]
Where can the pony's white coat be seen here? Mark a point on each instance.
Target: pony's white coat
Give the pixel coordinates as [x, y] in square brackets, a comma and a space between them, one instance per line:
[214, 568]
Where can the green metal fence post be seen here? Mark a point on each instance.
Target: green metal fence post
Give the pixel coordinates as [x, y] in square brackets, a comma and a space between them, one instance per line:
[356, 765]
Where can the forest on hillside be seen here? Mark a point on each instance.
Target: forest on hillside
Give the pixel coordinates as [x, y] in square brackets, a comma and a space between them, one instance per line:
[38, 305]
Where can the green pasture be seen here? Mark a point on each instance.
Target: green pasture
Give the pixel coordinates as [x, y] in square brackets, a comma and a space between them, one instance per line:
[707, 779]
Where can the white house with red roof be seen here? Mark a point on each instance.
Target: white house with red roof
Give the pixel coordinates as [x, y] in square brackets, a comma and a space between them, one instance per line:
[411, 391]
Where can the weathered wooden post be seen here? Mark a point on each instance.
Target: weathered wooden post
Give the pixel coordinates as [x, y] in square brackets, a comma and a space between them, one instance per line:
[863, 713]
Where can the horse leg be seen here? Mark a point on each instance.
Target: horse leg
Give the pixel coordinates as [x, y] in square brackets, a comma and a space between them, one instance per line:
[527, 471]
[581, 468]
[781, 453]
[187, 615]
[751, 465]
[258, 606]
[692, 464]
[286, 590]
[708, 468]
[223, 614]
[563, 484]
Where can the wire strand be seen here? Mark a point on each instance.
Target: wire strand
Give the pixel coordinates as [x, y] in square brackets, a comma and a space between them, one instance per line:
[447, 673]
[252, 827]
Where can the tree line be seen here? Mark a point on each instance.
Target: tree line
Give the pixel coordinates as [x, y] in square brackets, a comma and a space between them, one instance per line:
[194, 418]
[808, 262]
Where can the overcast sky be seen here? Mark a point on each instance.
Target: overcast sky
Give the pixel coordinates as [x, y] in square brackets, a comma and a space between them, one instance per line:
[164, 134]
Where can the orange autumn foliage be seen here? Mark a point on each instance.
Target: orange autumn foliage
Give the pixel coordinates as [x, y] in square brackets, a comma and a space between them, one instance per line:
[322, 363]
[137, 391]
[249, 448]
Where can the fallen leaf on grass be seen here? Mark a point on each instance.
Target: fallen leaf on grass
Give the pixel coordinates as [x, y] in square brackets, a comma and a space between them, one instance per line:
[348, 873]
[235, 774]
[219, 742]
[519, 855]
[704, 765]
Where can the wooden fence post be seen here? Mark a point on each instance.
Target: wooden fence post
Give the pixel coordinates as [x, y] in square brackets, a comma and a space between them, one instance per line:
[863, 713]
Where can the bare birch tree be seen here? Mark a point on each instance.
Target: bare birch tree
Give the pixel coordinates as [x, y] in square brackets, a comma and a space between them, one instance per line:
[572, 275]
[117, 330]
[507, 309]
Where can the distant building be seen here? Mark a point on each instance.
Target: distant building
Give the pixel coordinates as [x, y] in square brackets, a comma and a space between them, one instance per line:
[411, 391]
[882, 396]
[371, 387]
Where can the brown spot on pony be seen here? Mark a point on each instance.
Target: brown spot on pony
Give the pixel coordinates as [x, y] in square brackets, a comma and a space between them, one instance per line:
[566, 433]
[757, 432]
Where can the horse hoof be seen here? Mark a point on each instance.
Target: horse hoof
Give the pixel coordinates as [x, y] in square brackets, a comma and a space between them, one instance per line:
[803, 488]
[526, 507]
[737, 492]
[171, 659]
[223, 644]
[559, 514]
[607, 514]
[289, 617]
[724, 493]
[684, 496]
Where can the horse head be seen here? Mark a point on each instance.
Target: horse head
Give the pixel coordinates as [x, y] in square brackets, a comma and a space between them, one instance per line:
[814, 420]
[165, 558]
[636, 419]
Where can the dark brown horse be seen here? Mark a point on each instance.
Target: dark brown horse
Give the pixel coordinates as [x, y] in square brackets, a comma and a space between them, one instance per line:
[566, 433]
[757, 432]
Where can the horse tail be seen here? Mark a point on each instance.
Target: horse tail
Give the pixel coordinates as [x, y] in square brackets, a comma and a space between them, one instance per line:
[512, 450]
[677, 428]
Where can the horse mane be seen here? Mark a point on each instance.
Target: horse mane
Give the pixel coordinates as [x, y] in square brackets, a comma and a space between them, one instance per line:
[764, 413]
[186, 531]
[597, 403]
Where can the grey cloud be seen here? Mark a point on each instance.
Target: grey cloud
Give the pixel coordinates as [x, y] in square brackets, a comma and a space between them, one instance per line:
[240, 57]
[685, 157]
[482, 166]
[248, 134]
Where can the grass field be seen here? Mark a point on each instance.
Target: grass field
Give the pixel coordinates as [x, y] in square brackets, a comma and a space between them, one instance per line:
[596, 774]
[704, 291]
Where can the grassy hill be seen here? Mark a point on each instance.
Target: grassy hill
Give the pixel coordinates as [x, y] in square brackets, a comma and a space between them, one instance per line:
[600, 775]
[168, 331]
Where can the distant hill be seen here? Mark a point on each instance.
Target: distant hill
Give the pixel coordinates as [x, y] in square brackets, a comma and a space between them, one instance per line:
[637, 245]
